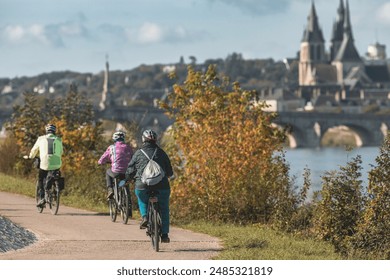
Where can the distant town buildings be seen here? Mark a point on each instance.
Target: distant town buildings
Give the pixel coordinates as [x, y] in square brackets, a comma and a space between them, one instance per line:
[340, 72]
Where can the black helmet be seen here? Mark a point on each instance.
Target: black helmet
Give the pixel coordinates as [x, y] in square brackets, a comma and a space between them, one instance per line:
[149, 136]
[119, 135]
[50, 128]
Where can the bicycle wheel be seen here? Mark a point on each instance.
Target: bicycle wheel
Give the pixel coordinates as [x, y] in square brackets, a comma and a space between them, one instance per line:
[54, 199]
[37, 199]
[112, 207]
[124, 204]
[155, 230]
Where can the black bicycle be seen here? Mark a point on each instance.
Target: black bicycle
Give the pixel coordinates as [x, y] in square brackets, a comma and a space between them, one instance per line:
[53, 185]
[120, 202]
[154, 227]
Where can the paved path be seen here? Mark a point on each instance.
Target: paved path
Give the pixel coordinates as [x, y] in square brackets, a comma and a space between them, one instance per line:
[75, 234]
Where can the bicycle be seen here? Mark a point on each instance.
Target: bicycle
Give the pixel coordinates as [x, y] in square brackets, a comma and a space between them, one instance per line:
[120, 202]
[53, 184]
[154, 226]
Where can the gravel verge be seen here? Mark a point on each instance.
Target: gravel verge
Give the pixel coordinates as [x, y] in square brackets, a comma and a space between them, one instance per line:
[14, 237]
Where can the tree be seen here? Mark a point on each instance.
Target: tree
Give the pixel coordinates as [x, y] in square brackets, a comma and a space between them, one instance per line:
[373, 239]
[223, 152]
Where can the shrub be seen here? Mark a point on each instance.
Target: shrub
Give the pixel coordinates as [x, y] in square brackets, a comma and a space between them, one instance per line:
[224, 150]
[341, 205]
[373, 239]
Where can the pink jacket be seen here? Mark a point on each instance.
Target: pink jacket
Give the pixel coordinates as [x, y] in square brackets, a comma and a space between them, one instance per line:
[119, 154]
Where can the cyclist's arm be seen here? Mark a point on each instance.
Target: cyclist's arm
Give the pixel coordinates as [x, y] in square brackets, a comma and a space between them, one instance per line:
[168, 166]
[105, 158]
[35, 149]
[131, 170]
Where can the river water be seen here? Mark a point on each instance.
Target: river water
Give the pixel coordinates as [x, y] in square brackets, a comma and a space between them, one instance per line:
[321, 160]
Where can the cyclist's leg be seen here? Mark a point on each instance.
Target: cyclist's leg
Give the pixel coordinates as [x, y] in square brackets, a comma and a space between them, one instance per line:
[143, 198]
[163, 202]
[41, 181]
[110, 182]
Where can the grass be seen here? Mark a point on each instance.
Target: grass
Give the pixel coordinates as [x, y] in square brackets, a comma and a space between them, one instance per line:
[251, 242]
[260, 242]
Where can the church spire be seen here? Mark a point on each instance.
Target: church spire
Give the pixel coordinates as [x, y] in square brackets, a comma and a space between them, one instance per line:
[348, 51]
[106, 96]
[347, 23]
[338, 31]
[313, 32]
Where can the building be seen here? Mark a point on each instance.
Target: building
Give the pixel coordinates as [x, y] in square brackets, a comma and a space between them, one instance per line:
[340, 71]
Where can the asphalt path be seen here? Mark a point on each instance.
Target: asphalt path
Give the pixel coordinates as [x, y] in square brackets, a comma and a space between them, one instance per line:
[75, 234]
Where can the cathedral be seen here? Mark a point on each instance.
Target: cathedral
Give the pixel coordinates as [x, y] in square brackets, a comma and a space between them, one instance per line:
[340, 69]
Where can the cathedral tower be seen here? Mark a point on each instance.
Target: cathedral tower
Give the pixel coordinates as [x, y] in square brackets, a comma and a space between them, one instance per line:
[312, 49]
[347, 56]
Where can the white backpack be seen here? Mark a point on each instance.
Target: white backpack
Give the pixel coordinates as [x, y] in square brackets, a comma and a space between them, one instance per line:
[153, 173]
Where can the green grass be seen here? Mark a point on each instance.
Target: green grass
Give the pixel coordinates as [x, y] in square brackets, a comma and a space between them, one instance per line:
[260, 242]
[252, 242]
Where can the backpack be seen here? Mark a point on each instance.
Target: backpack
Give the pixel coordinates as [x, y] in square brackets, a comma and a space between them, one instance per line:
[153, 173]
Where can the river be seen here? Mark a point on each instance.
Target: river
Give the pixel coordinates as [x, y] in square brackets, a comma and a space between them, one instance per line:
[326, 159]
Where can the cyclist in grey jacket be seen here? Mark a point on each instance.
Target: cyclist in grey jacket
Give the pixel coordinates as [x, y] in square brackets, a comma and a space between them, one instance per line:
[134, 172]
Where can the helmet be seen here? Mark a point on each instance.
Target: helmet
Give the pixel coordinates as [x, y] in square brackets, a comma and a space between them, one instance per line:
[149, 135]
[119, 135]
[50, 128]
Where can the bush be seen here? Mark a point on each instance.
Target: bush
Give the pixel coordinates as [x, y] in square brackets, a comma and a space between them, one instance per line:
[372, 240]
[224, 151]
[341, 205]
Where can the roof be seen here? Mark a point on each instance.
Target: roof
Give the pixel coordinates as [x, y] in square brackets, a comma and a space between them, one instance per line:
[313, 32]
[325, 73]
[378, 73]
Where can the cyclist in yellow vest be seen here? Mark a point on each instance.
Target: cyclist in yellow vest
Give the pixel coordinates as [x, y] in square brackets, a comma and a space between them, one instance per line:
[50, 151]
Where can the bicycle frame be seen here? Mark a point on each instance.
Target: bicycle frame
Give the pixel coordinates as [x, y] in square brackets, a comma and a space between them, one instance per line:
[120, 203]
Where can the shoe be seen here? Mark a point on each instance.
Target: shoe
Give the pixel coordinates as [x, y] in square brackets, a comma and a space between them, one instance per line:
[41, 202]
[144, 223]
[165, 238]
[110, 193]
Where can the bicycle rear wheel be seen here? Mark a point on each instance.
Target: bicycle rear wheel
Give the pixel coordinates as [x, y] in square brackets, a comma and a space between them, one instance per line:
[37, 199]
[124, 198]
[155, 230]
[54, 199]
[112, 207]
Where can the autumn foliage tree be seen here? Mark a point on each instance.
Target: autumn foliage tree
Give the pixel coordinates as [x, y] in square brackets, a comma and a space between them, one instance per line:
[372, 240]
[224, 145]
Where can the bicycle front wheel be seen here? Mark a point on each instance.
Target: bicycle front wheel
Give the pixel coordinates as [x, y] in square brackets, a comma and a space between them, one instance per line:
[54, 200]
[124, 198]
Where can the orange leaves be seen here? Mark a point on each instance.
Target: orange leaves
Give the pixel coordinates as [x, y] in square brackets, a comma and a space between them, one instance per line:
[222, 140]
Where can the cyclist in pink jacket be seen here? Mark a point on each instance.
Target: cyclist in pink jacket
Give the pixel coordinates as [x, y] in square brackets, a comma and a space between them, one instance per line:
[119, 155]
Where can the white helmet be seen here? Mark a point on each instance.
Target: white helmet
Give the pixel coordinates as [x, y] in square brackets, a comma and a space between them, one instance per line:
[149, 135]
[119, 135]
[50, 128]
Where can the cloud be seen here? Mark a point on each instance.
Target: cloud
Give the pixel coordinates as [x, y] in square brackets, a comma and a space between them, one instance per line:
[152, 33]
[257, 7]
[383, 13]
[54, 35]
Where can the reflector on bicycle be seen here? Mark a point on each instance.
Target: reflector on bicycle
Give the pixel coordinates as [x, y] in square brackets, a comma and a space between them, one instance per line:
[153, 199]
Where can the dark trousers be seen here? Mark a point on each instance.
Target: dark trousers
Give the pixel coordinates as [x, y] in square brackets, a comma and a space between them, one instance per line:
[110, 177]
[42, 175]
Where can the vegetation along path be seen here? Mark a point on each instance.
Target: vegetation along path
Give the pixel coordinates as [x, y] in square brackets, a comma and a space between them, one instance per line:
[76, 234]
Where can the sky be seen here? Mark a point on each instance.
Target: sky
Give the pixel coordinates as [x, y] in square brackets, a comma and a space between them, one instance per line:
[41, 36]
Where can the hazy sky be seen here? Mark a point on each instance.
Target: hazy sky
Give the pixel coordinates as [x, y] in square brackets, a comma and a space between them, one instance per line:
[38, 36]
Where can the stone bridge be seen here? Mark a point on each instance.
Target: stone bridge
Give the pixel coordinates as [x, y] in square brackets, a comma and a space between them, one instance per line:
[146, 117]
[306, 129]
